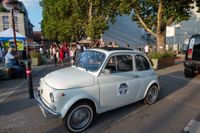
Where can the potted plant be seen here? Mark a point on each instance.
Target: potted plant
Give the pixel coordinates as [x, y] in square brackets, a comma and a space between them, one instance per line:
[35, 58]
[160, 60]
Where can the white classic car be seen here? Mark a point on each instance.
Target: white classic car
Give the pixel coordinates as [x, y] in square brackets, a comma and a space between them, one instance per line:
[100, 80]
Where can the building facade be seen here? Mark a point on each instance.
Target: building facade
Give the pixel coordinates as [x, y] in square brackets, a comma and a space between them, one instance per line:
[22, 22]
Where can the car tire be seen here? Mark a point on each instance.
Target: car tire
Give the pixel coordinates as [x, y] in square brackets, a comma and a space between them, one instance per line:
[79, 117]
[189, 74]
[152, 95]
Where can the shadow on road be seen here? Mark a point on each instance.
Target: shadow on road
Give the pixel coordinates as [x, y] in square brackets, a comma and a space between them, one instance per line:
[19, 105]
[59, 129]
[171, 82]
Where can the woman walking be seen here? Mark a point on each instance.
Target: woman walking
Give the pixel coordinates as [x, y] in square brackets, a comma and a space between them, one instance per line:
[62, 54]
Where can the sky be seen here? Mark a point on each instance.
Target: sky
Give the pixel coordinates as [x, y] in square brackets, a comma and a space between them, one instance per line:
[34, 13]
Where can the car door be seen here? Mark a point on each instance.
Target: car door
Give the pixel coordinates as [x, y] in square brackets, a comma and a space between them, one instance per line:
[119, 87]
[145, 74]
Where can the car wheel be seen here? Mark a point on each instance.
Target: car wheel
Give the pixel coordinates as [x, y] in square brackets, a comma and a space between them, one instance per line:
[152, 95]
[188, 73]
[79, 117]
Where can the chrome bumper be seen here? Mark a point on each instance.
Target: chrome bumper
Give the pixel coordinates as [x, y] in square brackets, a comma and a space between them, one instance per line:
[44, 108]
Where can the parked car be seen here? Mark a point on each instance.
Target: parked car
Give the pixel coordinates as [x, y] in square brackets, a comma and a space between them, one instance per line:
[192, 58]
[100, 80]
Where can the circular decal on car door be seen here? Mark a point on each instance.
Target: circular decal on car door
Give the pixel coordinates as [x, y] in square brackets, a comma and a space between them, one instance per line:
[122, 89]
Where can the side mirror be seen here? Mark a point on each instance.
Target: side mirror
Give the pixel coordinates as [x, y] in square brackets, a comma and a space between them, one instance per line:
[106, 71]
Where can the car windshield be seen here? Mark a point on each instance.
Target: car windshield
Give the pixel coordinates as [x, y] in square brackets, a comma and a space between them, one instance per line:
[90, 60]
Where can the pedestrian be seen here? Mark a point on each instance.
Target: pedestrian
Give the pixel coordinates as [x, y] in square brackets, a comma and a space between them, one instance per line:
[146, 49]
[78, 52]
[54, 53]
[51, 53]
[11, 61]
[113, 45]
[41, 50]
[127, 45]
[103, 45]
[57, 54]
[71, 54]
[66, 51]
[62, 53]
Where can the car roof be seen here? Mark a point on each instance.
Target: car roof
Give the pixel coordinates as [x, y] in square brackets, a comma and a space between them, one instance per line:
[114, 48]
[111, 50]
[196, 35]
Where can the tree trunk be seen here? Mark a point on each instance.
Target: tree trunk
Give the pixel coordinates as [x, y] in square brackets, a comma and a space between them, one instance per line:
[161, 41]
[161, 30]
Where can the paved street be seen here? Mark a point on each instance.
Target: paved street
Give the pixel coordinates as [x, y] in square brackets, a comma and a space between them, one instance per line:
[177, 105]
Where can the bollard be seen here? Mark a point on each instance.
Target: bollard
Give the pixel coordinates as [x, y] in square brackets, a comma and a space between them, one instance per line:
[29, 79]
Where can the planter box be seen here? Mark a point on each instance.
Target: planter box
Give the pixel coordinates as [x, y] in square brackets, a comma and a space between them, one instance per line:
[35, 61]
[162, 63]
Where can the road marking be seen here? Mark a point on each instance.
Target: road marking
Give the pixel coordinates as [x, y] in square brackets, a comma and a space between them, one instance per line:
[5, 93]
[10, 91]
[192, 127]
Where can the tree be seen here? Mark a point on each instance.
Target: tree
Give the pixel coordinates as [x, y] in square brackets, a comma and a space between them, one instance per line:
[155, 15]
[73, 19]
[99, 12]
[62, 20]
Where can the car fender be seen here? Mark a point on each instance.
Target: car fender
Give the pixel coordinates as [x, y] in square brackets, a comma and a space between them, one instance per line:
[149, 85]
[72, 101]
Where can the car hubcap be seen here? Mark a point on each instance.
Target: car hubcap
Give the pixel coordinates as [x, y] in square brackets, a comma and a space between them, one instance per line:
[80, 118]
[152, 94]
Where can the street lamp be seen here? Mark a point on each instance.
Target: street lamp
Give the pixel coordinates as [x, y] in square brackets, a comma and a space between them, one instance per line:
[9, 5]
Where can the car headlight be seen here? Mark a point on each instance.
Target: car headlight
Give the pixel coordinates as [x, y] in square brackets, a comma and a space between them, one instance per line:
[51, 97]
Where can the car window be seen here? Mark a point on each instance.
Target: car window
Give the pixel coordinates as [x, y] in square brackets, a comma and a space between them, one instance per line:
[196, 49]
[141, 63]
[197, 41]
[120, 63]
[90, 60]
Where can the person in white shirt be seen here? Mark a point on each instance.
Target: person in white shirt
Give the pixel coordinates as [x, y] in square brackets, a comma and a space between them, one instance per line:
[146, 49]
[41, 50]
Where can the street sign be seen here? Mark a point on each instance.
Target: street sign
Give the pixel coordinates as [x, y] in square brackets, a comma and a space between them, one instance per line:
[170, 31]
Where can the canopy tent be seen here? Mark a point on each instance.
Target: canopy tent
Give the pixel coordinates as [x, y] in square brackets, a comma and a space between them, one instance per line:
[85, 41]
[8, 34]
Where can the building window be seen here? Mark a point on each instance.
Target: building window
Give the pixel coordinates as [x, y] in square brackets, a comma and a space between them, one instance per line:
[16, 28]
[16, 20]
[5, 19]
[5, 22]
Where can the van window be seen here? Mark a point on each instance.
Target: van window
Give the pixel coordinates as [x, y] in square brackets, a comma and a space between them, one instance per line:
[196, 48]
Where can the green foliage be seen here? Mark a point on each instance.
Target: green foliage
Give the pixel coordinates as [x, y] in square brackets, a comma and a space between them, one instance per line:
[72, 19]
[96, 27]
[2, 9]
[155, 15]
[157, 55]
[148, 10]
